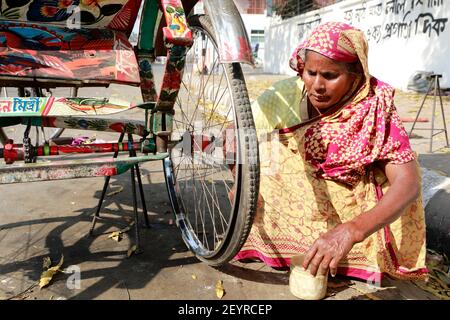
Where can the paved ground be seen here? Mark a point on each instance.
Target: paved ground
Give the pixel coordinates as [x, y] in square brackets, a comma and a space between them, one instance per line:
[51, 219]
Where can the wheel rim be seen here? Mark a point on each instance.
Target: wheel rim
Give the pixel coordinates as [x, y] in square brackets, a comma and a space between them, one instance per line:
[203, 170]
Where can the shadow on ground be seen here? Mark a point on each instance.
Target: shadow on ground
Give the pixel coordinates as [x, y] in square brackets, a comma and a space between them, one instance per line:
[26, 240]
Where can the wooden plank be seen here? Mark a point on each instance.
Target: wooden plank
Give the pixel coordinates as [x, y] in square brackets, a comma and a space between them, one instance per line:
[54, 106]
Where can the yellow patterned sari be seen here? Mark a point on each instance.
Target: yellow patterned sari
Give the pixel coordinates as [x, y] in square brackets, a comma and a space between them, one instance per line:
[296, 205]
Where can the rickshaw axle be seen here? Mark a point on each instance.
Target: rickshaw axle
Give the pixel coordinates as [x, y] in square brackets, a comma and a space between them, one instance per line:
[15, 152]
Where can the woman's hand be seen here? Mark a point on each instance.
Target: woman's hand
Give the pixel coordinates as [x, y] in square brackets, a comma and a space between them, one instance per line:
[330, 248]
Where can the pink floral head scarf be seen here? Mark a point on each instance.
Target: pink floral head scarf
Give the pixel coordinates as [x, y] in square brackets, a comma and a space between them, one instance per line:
[367, 128]
[338, 41]
[329, 39]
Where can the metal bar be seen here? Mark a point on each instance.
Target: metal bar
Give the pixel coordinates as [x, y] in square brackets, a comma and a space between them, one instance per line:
[149, 22]
[88, 148]
[57, 133]
[443, 114]
[440, 131]
[177, 39]
[136, 218]
[432, 115]
[428, 129]
[420, 109]
[148, 90]
[90, 123]
[74, 91]
[135, 212]
[60, 170]
[141, 190]
[15, 152]
[105, 188]
[3, 137]
[177, 31]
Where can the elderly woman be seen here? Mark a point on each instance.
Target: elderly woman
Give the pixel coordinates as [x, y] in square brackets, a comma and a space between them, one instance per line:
[339, 180]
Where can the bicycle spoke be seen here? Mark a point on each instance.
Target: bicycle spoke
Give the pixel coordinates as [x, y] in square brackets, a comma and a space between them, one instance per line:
[205, 181]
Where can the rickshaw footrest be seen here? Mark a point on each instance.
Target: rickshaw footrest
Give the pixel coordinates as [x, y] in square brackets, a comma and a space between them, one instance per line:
[70, 169]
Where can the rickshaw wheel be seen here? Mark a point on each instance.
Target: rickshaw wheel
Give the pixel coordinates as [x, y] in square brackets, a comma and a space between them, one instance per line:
[212, 174]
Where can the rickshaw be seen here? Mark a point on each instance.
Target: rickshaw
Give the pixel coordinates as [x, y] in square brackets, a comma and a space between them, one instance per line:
[199, 124]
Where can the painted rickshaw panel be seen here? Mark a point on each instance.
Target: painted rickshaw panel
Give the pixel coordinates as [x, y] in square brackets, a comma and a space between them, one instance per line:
[112, 14]
[80, 168]
[51, 52]
[53, 106]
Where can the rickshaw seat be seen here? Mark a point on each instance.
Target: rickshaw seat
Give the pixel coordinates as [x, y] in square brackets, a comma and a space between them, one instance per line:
[37, 46]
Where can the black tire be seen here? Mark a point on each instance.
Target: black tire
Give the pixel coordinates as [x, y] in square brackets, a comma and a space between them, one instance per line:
[232, 222]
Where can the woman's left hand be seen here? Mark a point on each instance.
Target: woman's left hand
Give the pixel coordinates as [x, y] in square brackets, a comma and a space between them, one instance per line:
[329, 249]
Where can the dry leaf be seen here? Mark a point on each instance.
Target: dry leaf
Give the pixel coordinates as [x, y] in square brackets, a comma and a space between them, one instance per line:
[339, 284]
[194, 277]
[47, 262]
[217, 244]
[434, 259]
[438, 282]
[119, 190]
[434, 289]
[369, 295]
[220, 292]
[115, 236]
[131, 251]
[48, 274]
[444, 278]
[372, 296]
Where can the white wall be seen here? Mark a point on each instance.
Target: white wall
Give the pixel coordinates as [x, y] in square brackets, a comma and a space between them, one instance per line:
[404, 36]
[256, 22]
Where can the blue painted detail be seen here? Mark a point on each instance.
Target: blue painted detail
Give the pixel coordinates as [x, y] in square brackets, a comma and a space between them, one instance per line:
[26, 104]
[50, 10]
[83, 123]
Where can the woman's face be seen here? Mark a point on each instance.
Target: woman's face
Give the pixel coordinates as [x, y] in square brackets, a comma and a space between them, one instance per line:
[326, 80]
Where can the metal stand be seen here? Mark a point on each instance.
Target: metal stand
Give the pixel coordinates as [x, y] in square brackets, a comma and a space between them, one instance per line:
[135, 172]
[434, 85]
